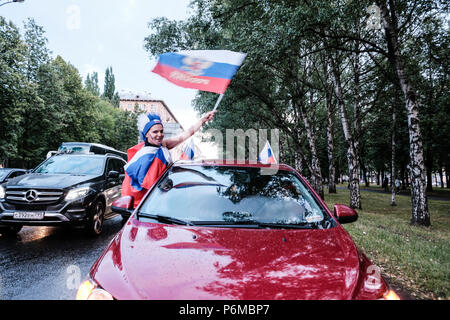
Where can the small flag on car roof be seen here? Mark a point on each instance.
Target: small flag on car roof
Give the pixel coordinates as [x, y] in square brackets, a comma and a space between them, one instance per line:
[188, 153]
[266, 155]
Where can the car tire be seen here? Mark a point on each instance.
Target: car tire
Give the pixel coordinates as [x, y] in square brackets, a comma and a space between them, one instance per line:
[10, 230]
[94, 224]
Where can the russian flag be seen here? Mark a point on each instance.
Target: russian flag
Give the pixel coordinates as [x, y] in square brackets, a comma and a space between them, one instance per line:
[188, 153]
[207, 70]
[266, 155]
[146, 166]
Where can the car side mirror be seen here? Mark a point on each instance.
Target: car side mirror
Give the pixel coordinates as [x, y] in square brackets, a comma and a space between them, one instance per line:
[345, 214]
[113, 174]
[123, 205]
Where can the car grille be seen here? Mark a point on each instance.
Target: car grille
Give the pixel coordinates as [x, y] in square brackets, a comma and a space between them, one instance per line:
[33, 196]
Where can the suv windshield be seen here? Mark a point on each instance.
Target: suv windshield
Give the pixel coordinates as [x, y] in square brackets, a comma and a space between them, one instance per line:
[3, 173]
[221, 195]
[72, 164]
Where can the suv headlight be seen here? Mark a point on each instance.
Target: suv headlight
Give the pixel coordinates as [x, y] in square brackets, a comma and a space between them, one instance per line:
[2, 193]
[77, 193]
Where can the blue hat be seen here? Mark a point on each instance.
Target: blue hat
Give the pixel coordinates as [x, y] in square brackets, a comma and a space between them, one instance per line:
[146, 122]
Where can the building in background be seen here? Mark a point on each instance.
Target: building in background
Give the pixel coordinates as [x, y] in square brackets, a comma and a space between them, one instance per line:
[144, 102]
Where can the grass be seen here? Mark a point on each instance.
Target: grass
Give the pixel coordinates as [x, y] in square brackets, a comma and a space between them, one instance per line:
[437, 191]
[415, 258]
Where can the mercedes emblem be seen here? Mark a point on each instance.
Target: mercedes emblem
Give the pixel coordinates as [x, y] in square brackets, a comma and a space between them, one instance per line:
[31, 195]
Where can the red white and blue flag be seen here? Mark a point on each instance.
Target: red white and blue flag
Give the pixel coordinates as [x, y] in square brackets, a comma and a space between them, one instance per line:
[266, 155]
[188, 152]
[146, 166]
[207, 70]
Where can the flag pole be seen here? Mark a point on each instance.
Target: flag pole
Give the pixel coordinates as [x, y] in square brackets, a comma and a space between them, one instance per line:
[218, 101]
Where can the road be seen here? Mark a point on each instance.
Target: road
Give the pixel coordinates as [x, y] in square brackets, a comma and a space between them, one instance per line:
[47, 263]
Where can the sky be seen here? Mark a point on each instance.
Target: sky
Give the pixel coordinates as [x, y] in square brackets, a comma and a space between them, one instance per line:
[94, 35]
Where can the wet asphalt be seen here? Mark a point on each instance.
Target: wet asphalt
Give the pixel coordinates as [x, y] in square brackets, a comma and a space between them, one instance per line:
[48, 263]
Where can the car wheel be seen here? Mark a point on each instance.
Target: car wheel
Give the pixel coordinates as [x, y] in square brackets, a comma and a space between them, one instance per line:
[10, 230]
[96, 217]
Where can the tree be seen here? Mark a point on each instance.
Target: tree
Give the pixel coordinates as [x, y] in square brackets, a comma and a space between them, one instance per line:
[263, 81]
[37, 51]
[36, 122]
[91, 84]
[352, 146]
[420, 212]
[287, 41]
[116, 100]
[109, 85]
[13, 87]
[43, 102]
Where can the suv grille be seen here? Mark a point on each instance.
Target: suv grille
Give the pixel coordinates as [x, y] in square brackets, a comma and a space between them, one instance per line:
[33, 196]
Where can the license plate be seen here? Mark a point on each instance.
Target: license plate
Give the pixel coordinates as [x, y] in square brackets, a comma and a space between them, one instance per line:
[29, 215]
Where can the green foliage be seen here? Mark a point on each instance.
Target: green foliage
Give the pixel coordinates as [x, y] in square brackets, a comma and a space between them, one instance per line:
[13, 88]
[286, 42]
[37, 53]
[109, 85]
[43, 102]
[91, 84]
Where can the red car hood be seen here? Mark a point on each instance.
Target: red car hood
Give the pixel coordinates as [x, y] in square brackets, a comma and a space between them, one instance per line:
[159, 261]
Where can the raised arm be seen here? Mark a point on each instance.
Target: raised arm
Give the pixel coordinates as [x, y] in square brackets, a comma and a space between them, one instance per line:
[174, 141]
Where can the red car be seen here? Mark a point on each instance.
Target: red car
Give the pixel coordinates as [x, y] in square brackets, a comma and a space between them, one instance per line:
[218, 230]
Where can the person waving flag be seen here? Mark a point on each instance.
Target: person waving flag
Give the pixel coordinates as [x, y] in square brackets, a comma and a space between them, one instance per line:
[206, 70]
[188, 153]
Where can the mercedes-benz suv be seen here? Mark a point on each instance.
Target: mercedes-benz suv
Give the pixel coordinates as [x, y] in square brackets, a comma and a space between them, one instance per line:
[75, 189]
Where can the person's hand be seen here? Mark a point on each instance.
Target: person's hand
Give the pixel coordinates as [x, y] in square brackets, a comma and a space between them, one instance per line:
[208, 116]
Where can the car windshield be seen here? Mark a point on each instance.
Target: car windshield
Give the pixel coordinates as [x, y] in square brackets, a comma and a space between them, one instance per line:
[3, 174]
[73, 149]
[72, 164]
[222, 196]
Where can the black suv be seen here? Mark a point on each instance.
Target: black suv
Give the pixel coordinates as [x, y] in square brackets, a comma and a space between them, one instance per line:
[65, 189]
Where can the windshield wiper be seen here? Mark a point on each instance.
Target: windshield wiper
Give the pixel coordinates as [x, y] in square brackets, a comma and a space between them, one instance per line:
[302, 225]
[165, 219]
[252, 223]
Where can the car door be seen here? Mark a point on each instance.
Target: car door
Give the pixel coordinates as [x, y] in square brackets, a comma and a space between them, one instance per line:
[113, 185]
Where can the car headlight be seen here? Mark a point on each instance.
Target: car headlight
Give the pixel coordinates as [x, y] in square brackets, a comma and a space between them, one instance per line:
[89, 290]
[390, 295]
[77, 193]
[2, 192]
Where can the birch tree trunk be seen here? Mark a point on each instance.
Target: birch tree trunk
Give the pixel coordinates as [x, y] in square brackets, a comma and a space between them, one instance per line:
[330, 149]
[420, 214]
[447, 176]
[330, 136]
[316, 174]
[356, 107]
[393, 175]
[298, 163]
[352, 156]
